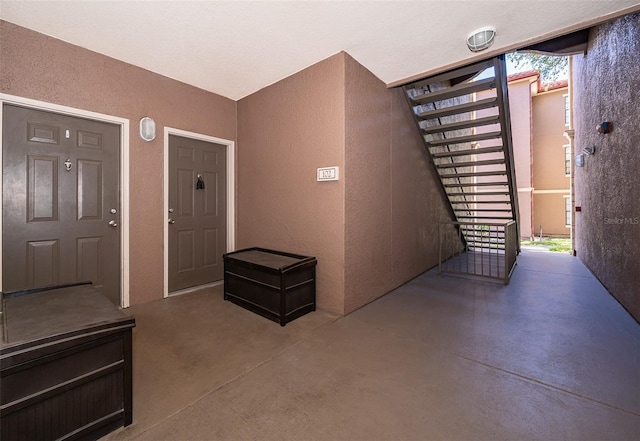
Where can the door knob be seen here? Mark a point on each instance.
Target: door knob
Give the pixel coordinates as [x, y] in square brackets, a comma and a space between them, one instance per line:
[171, 221]
[113, 223]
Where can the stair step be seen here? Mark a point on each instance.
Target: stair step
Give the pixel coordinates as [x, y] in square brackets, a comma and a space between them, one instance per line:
[473, 174]
[467, 124]
[471, 163]
[488, 210]
[465, 152]
[472, 69]
[476, 184]
[481, 202]
[468, 138]
[465, 88]
[484, 193]
[460, 108]
[485, 217]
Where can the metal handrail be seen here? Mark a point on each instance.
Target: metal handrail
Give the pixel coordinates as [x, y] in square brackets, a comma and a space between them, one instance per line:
[483, 249]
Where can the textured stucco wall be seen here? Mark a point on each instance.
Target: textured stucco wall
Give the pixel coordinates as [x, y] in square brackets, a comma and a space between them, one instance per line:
[418, 203]
[371, 231]
[368, 271]
[285, 132]
[607, 88]
[392, 200]
[39, 67]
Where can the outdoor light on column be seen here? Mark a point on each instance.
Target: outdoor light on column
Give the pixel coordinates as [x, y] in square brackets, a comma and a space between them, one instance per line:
[147, 129]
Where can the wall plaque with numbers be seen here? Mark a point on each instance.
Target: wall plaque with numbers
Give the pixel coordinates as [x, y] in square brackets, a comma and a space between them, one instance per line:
[329, 174]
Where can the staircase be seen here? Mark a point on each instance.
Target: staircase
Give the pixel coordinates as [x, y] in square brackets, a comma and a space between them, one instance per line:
[463, 116]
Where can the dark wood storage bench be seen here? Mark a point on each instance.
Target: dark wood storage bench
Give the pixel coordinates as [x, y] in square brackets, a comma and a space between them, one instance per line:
[65, 364]
[279, 286]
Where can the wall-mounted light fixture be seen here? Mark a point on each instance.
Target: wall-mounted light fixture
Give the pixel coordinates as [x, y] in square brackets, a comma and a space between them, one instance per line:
[147, 129]
[589, 151]
[481, 39]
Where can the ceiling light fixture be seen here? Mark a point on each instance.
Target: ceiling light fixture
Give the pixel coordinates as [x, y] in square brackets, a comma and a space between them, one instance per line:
[481, 39]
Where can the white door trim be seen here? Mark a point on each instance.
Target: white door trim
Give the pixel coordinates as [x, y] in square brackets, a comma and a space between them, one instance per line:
[124, 175]
[231, 167]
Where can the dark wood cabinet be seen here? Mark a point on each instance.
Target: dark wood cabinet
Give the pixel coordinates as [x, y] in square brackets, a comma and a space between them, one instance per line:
[277, 285]
[65, 365]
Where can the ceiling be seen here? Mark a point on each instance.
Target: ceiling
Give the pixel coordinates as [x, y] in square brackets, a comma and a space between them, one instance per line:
[234, 48]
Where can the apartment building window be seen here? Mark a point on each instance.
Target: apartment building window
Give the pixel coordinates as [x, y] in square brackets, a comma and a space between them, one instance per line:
[567, 160]
[567, 110]
[567, 211]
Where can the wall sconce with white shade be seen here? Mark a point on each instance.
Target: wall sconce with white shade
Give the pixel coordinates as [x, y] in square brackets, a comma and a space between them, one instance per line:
[147, 129]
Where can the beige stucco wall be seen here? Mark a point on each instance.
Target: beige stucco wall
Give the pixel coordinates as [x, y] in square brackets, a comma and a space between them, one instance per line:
[285, 132]
[550, 182]
[39, 67]
[549, 213]
[606, 87]
[549, 141]
[520, 114]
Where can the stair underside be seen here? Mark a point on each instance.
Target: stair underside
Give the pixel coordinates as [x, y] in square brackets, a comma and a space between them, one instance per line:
[466, 130]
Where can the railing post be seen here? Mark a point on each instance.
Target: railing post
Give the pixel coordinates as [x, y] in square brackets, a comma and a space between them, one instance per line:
[440, 248]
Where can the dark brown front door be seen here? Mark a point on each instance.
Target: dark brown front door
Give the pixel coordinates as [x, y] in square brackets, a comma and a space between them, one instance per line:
[197, 212]
[60, 201]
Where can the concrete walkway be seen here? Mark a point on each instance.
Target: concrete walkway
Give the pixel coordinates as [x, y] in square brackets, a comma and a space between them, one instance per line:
[552, 356]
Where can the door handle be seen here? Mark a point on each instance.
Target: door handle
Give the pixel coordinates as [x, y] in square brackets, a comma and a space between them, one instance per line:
[113, 223]
[171, 221]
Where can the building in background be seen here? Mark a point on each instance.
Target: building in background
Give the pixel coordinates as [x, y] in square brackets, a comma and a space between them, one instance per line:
[542, 153]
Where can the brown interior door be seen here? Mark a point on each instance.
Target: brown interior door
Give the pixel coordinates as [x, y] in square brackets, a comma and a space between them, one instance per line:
[197, 212]
[60, 201]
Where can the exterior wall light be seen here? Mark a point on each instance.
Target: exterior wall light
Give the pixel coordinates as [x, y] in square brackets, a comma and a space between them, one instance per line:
[147, 129]
[589, 151]
[481, 39]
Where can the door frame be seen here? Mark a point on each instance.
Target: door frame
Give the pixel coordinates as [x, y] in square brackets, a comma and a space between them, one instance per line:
[231, 213]
[123, 123]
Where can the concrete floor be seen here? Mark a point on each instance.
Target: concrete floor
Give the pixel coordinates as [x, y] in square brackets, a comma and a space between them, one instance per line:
[552, 356]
